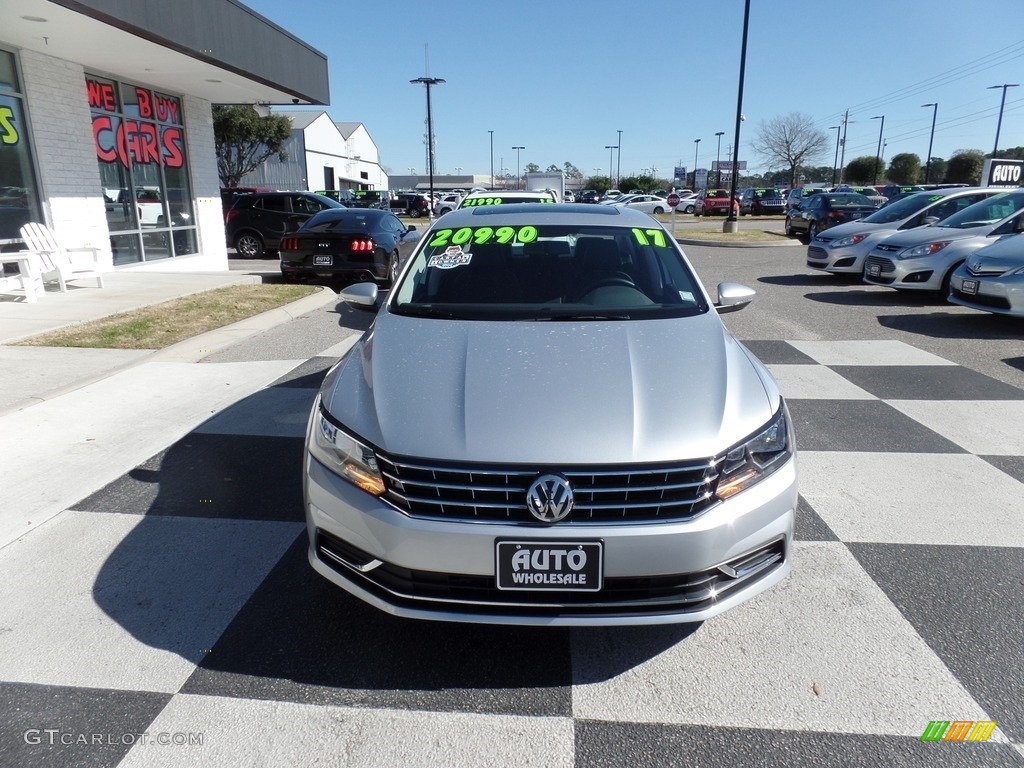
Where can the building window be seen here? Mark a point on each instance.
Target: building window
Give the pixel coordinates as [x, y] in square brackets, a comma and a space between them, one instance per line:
[19, 188]
[140, 147]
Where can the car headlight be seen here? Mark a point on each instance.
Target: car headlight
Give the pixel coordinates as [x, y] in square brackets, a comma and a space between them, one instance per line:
[846, 242]
[344, 455]
[927, 249]
[756, 458]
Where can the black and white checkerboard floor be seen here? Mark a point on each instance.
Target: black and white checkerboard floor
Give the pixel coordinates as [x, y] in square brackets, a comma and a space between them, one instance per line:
[178, 601]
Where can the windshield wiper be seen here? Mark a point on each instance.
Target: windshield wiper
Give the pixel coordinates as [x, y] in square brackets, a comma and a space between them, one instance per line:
[583, 316]
[426, 311]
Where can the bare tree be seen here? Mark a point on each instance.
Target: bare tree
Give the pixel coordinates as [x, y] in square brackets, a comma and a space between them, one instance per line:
[789, 142]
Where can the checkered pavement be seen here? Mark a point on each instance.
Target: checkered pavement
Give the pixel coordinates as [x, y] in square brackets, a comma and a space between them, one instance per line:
[177, 600]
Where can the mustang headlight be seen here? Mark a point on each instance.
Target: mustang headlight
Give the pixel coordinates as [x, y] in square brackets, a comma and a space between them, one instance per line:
[344, 455]
[923, 250]
[752, 461]
[846, 242]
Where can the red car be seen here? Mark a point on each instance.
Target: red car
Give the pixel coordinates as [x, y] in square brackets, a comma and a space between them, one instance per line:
[714, 201]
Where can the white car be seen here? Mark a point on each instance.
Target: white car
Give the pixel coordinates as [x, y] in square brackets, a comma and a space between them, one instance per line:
[447, 203]
[687, 203]
[650, 204]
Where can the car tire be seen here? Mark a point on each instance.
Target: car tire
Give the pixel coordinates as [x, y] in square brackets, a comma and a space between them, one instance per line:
[947, 279]
[249, 245]
[688, 209]
[393, 268]
[658, 210]
[789, 227]
[812, 231]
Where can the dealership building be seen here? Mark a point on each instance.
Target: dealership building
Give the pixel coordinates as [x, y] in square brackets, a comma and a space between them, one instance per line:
[106, 131]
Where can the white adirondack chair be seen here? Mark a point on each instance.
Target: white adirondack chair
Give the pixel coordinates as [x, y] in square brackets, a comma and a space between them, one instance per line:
[56, 260]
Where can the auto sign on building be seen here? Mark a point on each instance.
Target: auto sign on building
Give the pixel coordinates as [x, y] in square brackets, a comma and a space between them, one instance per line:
[1002, 172]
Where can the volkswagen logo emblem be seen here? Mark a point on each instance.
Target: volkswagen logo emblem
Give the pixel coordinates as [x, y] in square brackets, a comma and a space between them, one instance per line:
[549, 498]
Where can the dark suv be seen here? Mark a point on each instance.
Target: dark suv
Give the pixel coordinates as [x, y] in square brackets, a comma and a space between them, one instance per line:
[257, 222]
[411, 204]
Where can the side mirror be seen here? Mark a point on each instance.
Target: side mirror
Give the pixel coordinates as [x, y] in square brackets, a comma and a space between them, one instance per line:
[733, 297]
[361, 296]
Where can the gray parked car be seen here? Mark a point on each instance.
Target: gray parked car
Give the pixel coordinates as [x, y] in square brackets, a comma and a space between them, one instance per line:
[842, 249]
[924, 259]
[548, 423]
[992, 278]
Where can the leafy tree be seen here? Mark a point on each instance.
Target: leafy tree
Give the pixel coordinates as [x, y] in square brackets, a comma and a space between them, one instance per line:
[936, 172]
[965, 167]
[553, 169]
[600, 183]
[1015, 153]
[571, 171]
[243, 140]
[860, 170]
[790, 141]
[904, 168]
[532, 168]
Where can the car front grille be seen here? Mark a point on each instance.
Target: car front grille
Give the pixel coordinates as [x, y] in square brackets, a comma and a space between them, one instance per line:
[621, 596]
[996, 302]
[493, 493]
[982, 269]
[815, 253]
[885, 266]
[888, 248]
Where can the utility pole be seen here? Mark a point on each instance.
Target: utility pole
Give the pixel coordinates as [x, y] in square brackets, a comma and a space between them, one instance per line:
[842, 157]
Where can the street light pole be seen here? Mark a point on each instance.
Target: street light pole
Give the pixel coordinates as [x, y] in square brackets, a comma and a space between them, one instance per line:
[429, 81]
[878, 151]
[492, 158]
[731, 223]
[835, 162]
[618, 165]
[928, 163]
[1002, 103]
[718, 158]
[518, 177]
[611, 148]
[696, 146]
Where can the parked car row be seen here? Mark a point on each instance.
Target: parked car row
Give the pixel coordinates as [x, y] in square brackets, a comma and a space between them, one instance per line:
[961, 242]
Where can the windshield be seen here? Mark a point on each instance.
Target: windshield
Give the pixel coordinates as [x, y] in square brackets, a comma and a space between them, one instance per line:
[549, 272]
[902, 209]
[849, 200]
[987, 211]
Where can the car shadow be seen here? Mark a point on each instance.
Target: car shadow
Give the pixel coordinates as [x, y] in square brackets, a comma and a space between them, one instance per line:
[216, 572]
[953, 325]
[823, 279]
[875, 297]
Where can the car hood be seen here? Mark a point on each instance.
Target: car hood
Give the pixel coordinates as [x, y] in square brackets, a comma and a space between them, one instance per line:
[550, 392]
[1003, 255]
[921, 235]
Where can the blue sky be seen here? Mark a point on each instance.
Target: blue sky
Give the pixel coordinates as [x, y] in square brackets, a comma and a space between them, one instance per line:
[562, 78]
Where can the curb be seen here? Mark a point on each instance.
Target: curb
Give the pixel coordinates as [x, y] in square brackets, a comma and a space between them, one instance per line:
[196, 348]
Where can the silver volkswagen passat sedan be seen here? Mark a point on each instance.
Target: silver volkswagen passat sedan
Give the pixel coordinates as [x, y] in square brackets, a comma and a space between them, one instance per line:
[924, 259]
[992, 278]
[547, 423]
[842, 249]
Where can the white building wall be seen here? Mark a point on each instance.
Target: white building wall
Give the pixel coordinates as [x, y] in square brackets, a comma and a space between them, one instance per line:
[64, 151]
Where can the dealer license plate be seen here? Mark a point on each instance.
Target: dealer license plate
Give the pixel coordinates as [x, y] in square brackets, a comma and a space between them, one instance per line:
[323, 261]
[874, 270]
[550, 566]
[969, 286]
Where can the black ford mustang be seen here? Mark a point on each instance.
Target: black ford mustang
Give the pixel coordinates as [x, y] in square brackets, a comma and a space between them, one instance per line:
[354, 243]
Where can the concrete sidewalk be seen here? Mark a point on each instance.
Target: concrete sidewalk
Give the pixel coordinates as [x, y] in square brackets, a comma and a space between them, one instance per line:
[33, 374]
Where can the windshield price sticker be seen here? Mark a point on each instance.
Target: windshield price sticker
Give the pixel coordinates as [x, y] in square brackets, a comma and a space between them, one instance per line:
[452, 257]
[471, 201]
[481, 235]
[656, 235]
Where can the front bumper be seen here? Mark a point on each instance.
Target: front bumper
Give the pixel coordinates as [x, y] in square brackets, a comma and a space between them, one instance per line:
[654, 573]
[836, 260]
[921, 274]
[1001, 294]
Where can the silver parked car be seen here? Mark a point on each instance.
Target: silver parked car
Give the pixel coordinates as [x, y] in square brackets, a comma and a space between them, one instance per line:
[842, 249]
[924, 259]
[549, 424]
[992, 278]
